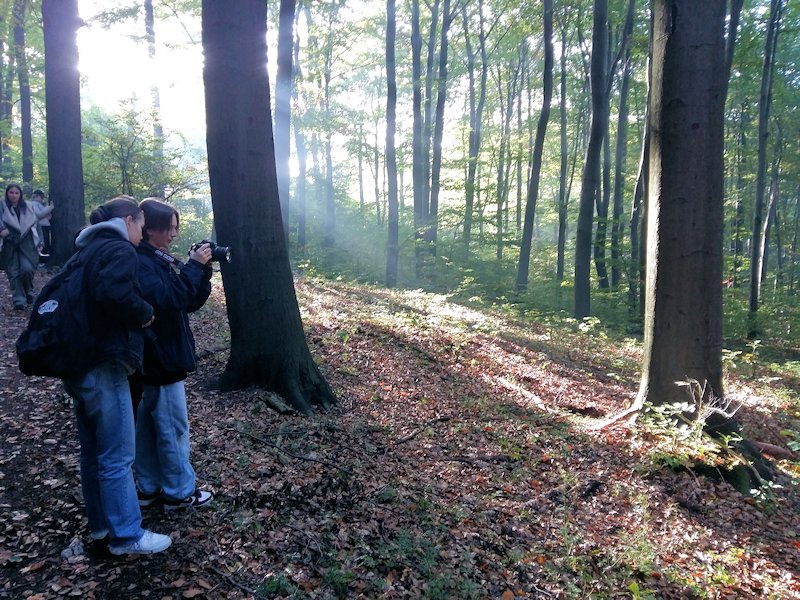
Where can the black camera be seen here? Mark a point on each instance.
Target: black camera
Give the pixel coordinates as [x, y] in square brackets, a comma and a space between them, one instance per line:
[218, 253]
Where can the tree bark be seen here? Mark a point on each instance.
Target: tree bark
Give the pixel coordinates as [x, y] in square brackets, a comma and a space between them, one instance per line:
[268, 346]
[683, 315]
[300, 145]
[60, 21]
[538, 150]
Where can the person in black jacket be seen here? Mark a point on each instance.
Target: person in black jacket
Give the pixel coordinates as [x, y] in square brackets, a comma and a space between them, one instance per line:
[163, 471]
[102, 399]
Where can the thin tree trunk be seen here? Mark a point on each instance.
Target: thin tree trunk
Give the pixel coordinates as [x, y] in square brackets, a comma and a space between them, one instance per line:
[300, 143]
[283, 99]
[765, 100]
[538, 150]
[591, 171]
[20, 6]
[392, 241]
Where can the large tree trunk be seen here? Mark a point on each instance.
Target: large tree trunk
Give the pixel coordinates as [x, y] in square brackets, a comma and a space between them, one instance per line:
[683, 317]
[60, 22]
[591, 169]
[764, 102]
[268, 346]
[283, 96]
[538, 149]
[392, 240]
[26, 135]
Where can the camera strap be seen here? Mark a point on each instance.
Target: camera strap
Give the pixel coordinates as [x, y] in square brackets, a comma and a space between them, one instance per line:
[168, 258]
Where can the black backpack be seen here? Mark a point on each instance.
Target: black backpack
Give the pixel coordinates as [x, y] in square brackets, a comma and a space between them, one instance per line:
[58, 341]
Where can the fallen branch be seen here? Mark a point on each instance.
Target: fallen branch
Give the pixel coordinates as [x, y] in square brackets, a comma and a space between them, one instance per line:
[629, 416]
[235, 583]
[419, 430]
[286, 452]
[520, 390]
[775, 451]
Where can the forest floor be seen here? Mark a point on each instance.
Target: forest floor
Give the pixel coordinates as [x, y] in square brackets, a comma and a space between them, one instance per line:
[463, 460]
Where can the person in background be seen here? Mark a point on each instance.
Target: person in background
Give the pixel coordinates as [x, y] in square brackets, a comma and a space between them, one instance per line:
[43, 210]
[19, 255]
[162, 468]
[102, 398]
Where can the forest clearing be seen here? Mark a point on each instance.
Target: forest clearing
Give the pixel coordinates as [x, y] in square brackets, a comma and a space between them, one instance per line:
[461, 461]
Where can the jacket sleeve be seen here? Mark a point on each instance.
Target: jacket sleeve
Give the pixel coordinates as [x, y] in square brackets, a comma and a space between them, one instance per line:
[172, 293]
[116, 287]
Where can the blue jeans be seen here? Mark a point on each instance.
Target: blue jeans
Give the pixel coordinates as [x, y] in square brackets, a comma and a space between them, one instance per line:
[162, 442]
[105, 428]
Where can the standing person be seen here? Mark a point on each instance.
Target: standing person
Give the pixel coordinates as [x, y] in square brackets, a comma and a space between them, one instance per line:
[118, 316]
[162, 468]
[20, 243]
[43, 210]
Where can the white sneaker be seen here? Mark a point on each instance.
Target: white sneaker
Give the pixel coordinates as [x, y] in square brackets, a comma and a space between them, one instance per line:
[149, 543]
[199, 499]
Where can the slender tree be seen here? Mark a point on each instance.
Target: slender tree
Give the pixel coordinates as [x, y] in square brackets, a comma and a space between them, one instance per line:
[392, 243]
[591, 170]
[261, 302]
[20, 8]
[538, 149]
[283, 100]
[764, 106]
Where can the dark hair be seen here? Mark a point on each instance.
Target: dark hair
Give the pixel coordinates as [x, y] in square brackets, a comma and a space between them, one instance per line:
[157, 215]
[21, 206]
[121, 206]
[37, 193]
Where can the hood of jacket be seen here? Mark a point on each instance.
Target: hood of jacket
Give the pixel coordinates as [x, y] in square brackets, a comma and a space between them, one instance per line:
[116, 226]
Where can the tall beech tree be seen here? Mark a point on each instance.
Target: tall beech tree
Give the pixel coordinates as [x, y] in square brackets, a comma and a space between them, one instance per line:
[683, 313]
[268, 346]
[60, 20]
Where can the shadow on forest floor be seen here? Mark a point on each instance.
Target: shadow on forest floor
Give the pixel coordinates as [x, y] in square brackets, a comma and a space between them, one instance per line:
[459, 462]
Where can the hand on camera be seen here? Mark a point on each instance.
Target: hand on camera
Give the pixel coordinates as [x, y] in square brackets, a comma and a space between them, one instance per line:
[201, 254]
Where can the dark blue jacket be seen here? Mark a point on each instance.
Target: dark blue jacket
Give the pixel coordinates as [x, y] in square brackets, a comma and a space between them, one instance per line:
[118, 310]
[169, 343]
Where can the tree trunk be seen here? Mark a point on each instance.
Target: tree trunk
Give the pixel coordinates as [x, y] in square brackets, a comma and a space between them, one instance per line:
[438, 129]
[60, 21]
[6, 105]
[283, 100]
[268, 346]
[538, 149]
[155, 94]
[591, 170]
[683, 316]
[26, 135]
[603, 198]
[300, 144]
[764, 102]
[620, 154]
[418, 156]
[475, 116]
[392, 240]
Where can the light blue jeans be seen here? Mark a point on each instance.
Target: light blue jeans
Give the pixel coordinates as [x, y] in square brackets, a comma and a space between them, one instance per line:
[162, 442]
[104, 412]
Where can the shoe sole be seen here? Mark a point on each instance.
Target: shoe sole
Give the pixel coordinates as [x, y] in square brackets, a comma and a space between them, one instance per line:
[174, 507]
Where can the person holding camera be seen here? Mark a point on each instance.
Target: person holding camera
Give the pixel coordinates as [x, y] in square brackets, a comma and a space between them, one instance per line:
[162, 468]
[19, 255]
